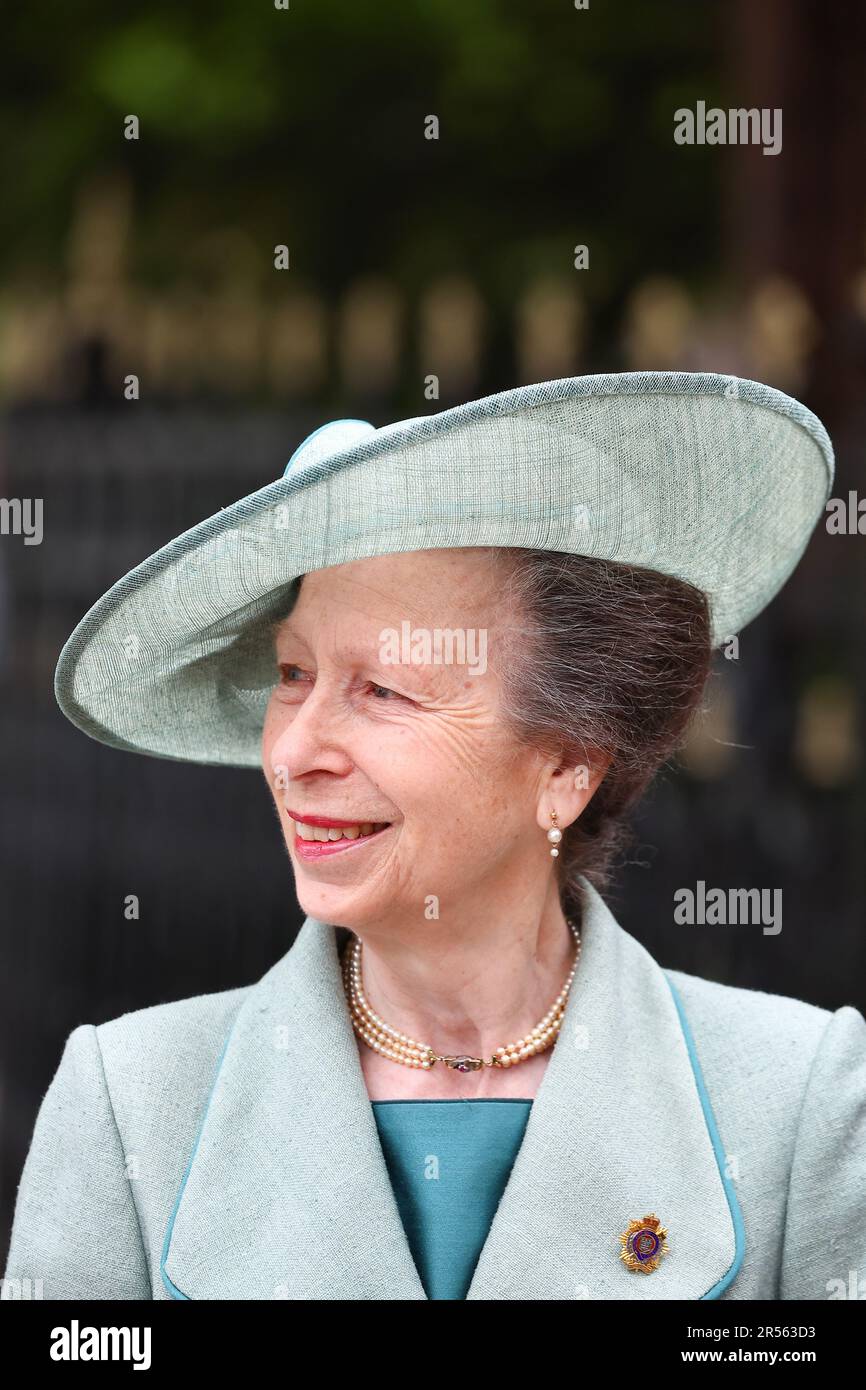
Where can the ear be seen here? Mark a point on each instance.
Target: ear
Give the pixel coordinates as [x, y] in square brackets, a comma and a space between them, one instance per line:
[569, 790]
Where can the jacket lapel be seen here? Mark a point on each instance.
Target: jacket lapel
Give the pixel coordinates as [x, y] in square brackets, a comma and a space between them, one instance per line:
[287, 1195]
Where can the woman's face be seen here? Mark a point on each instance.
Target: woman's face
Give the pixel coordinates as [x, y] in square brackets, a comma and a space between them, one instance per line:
[350, 736]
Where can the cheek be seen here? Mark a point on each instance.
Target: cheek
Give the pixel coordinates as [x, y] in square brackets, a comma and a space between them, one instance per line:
[271, 730]
[442, 786]
[483, 787]
[443, 767]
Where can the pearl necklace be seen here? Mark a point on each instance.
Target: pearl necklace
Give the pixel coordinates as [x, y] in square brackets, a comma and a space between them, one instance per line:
[388, 1042]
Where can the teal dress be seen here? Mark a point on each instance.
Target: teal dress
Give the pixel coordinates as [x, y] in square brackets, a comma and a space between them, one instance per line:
[449, 1162]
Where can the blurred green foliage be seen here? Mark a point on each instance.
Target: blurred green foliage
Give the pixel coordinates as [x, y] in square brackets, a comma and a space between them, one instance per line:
[306, 126]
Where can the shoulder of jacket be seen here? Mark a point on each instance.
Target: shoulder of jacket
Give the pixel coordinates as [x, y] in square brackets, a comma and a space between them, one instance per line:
[752, 1007]
[155, 1019]
[173, 1045]
[753, 1033]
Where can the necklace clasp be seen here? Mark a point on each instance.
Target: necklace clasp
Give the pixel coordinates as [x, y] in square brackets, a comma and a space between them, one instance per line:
[462, 1063]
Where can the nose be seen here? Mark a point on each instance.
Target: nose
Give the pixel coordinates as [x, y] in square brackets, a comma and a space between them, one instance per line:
[311, 736]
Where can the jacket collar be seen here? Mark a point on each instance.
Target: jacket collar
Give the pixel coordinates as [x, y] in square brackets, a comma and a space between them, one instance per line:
[287, 1195]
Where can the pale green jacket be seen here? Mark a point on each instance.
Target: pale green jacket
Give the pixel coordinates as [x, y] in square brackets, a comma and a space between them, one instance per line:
[224, 1147]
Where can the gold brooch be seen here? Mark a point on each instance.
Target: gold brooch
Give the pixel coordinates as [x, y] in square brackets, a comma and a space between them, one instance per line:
[643, 1244]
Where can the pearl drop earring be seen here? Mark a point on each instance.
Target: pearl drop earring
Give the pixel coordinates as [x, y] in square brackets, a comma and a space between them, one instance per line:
[554, 835]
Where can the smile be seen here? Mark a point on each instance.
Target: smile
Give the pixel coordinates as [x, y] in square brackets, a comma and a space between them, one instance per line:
[316, 841]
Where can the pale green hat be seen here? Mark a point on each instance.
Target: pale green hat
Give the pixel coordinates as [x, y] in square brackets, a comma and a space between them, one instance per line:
[709, 478]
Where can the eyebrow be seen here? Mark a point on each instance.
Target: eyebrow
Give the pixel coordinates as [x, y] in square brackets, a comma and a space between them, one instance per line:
[362, 655]
[281, 628]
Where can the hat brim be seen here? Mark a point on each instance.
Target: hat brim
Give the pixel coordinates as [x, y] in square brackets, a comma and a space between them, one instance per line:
[712, 479]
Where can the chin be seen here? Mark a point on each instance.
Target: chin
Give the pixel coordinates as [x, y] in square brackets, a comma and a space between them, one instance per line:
[327, 903]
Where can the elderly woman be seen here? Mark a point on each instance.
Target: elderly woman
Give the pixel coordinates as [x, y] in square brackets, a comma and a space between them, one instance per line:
[458, 647]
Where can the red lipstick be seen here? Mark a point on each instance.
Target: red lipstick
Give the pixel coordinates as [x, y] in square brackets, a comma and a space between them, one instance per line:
[322, 849]
[328, 823]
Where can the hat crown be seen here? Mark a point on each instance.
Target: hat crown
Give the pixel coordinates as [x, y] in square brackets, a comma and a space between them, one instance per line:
[328, 439]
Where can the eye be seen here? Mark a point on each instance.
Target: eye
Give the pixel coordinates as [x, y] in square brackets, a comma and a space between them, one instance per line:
[393, 693]
[382, 693]
[286, 668]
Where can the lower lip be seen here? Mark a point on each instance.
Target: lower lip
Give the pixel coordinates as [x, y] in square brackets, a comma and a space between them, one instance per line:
[323, 849]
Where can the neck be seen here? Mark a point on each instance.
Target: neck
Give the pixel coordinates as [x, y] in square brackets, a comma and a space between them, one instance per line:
[469, 990]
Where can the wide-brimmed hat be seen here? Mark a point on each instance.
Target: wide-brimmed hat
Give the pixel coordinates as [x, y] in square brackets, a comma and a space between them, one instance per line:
[711, 479]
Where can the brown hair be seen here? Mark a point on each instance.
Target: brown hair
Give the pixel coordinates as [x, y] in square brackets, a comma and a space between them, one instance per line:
[599, 655]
